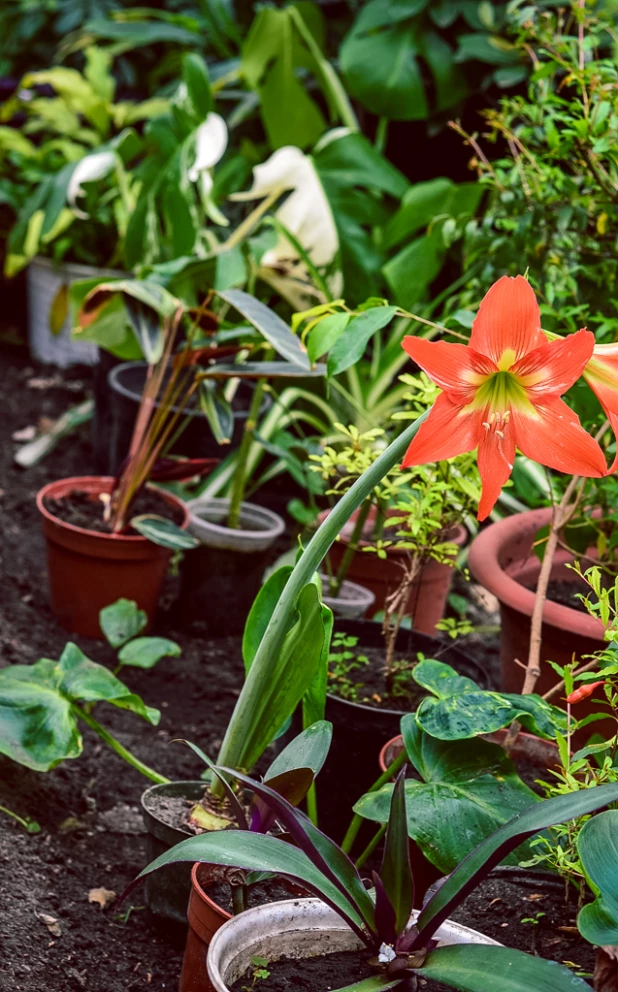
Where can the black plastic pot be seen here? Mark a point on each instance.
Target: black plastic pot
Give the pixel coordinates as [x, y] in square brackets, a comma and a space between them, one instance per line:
[167, 891]
[126, 382]
[221, 578]
[359, 731]
[102, 420]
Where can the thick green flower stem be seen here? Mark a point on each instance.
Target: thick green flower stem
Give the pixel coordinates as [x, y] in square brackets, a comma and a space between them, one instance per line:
[116, 746]
[240, 474]
[250, 703]
[357, 821]
[371, 846]
[359, 525]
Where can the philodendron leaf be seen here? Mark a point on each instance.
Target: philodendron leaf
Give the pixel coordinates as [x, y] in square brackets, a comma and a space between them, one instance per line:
[492, 851]
[597, 845]
[468, 967]
[270, 326]
[458, 709]
[38, 718]
[467, 790]
[121, 621]
[145, 652]
[163, 532]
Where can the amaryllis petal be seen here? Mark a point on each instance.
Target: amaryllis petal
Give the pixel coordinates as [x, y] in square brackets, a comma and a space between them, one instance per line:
[601, 374]
[446, 432]
[613, 423]
[508, 324]
[556, 365]
[496, 456]
[555, 437]
[453, 367]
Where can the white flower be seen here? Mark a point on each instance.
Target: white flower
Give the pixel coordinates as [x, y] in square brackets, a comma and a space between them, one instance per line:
[90, 168]
[210, 145]
[306, 214]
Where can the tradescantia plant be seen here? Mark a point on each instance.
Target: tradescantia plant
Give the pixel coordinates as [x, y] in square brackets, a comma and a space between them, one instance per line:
[403, 944]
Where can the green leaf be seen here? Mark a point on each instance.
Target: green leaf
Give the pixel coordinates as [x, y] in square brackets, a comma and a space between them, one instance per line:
[378, 60]
[262, 370]
[37, 726]
[57, 198]
[147, 303]
[597, 845]
[197, 81]
[163, 532]
[314, 700]
[421, 203]
[283, 685]
[467, 966]
[270, 57]
[323, 336]
[467, 790]
[261, 612]
[145, 652]
[374, 984]
[492, 851]
[256, 852]
[396, 873]
[410, 273]
[350, 346]
[486, 48]
[270, 326]
[217, 410]
[121, 621]
[308, 750]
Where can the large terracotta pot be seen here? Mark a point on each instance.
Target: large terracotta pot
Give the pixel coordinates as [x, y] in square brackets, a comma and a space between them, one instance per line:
[501, 558]
[429, 593]
[89, 570]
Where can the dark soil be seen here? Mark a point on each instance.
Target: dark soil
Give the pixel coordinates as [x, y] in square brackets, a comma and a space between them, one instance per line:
[86, 510]
[257, 895]
[333, 971]
[88, 808]
[566, 593]
[367, 683]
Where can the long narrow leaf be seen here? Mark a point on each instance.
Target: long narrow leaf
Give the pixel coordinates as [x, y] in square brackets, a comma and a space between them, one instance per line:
[239, 812]
[396, 872]
[258, 852]
[493, 850]
[472, 967]
[269, 324]
[323, 852]
[377, 983]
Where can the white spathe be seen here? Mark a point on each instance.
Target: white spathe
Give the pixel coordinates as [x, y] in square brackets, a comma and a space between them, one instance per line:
[306, 214]
[210, 145]
[89, 169]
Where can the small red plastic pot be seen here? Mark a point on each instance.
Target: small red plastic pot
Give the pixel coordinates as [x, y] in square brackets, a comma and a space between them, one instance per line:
[205, 918]
[89, 570]
[429, 592]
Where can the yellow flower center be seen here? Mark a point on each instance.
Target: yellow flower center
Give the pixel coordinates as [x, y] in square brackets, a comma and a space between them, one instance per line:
[500, 393]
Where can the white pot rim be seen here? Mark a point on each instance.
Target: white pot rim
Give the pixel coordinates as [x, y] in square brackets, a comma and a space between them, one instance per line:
[262, 528]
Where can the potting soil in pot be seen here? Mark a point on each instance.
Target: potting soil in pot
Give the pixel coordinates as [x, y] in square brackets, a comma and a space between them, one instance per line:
[364, 680]
[81, 510]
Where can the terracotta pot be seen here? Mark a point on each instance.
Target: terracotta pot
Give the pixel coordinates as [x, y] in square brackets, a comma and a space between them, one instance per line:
[89, 570]
[429, 593]
[543, 754]
[205, 918]
[502, 560]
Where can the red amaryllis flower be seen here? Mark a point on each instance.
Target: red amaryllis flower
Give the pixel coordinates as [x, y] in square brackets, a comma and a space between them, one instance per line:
[601, 374]
[502, 391]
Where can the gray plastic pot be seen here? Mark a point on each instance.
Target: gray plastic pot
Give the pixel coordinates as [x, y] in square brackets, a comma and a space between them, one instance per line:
[167, 891]
[299, 929]
[45, 280]
[352, 602]
[222, 577]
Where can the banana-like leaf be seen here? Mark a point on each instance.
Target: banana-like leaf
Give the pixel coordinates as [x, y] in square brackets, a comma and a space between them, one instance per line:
[280, 690]
[263, 370]
[38, 721]
[492, 851]
[471, 967]
[147, 305]
[396, 872]
[270, 326]
[217, 410]
[163, 532]
[458, 709]
[121, 621]
[597, 845]
[258, 852]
